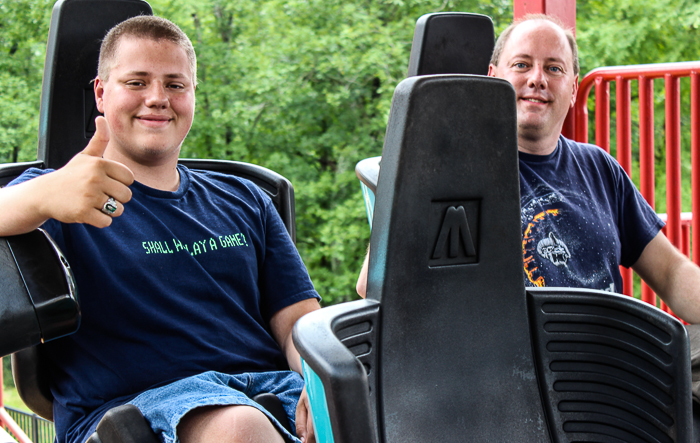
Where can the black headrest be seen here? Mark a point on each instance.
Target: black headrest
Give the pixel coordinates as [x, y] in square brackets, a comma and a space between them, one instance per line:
[451, 43]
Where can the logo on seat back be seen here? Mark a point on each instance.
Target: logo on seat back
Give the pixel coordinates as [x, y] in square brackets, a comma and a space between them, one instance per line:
[455, 227]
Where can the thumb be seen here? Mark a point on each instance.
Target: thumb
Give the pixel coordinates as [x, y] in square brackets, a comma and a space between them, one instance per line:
[100, 140]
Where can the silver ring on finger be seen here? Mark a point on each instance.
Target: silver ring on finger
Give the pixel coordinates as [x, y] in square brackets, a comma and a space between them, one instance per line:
[110, 207]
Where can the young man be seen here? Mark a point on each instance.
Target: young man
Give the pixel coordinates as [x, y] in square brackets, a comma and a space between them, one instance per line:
[581, 215]
[189, 282]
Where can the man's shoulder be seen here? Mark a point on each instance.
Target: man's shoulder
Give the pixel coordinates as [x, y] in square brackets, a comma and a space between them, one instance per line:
[588, 149]
[588, 152]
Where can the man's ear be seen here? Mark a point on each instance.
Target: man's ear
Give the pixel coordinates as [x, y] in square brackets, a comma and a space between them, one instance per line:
[492, 70]
[574, 91]
[98, 87]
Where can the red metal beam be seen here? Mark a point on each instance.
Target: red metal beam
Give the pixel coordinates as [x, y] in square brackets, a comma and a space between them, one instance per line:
[673, 159]
[695, 159]
[565, 10]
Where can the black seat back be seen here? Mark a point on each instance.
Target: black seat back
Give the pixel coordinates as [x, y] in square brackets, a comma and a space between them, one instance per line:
[447, 196]
[449, 343]
[68, 109]
[443, 43]
[610, 368]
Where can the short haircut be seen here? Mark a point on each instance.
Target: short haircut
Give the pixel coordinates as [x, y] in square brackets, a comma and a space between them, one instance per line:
[146, 27]
[505, 36]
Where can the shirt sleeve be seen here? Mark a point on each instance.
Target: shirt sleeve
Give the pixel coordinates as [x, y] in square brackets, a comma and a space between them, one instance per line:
[284, 279]
[638, 222]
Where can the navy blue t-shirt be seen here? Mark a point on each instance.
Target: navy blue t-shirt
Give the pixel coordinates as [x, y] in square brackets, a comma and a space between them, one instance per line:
[581, 218]
[182, 283]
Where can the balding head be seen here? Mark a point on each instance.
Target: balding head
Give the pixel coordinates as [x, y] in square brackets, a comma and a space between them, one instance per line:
[505, 36]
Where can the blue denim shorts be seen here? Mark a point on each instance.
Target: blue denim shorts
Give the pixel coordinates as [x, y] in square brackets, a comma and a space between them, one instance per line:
[164, 407]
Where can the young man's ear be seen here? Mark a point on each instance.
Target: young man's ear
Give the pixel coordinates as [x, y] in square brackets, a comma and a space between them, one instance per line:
[99, 89]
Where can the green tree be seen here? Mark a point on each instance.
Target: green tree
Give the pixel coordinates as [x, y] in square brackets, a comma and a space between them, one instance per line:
[23, 31]
[7, 372]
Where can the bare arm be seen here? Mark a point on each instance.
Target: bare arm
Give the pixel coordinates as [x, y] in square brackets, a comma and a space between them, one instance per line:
[281, 324]
[361, 286]
[72, 194]
[672, 276]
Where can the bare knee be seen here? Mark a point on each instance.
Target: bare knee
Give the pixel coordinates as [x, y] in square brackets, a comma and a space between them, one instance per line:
[229, 424]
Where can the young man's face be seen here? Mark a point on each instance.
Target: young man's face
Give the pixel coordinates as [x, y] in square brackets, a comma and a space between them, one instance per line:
[148, 100]
[538, 61]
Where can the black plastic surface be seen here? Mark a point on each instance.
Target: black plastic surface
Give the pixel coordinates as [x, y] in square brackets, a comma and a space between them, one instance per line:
[38, 292]
[67, 112]
[124, 424]
[612, 368]
[454, 357]
[462, 351]
[340, 344]
[274, 406]
[446, 264]
[49, 281]
[9, 171]
[451, 43]
[17, 316]
[443, 43]
[32, 381]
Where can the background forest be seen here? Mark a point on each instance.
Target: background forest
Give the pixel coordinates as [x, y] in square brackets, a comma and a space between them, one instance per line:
[304, 87]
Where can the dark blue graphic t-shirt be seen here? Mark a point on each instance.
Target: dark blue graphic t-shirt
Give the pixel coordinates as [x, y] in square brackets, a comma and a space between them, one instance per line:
[581, 218]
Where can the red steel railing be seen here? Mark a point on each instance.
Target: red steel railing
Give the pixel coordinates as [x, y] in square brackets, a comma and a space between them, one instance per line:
[679, 226]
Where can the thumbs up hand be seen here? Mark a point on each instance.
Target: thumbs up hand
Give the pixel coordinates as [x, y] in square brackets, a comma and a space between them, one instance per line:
[80, 191]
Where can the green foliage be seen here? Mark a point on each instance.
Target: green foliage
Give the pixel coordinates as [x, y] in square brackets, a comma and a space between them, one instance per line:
[7, 373]
[626, 32]
[23, 31]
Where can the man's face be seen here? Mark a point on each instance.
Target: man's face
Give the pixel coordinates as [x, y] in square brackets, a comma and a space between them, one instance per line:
[537, 60]
[148, 100]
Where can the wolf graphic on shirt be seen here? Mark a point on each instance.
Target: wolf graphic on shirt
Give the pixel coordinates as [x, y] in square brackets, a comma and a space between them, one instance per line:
[560, 247]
